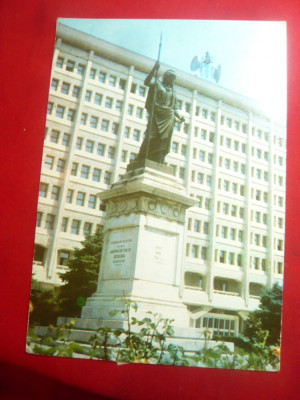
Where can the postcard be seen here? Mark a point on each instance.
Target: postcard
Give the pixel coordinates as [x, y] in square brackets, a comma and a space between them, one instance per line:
[161, 215]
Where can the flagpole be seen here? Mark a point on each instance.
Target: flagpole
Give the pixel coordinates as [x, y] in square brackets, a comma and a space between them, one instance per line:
[153, 102]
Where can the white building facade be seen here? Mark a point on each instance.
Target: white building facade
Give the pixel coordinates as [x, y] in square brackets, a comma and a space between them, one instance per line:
[228, 154]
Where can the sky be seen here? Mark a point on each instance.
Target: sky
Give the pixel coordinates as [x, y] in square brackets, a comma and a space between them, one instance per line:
[252, 54]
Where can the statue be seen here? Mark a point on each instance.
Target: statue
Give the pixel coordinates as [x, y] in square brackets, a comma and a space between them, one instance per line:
[161, 104]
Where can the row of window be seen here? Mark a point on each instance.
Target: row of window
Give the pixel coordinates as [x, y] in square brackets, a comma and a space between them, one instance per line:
[179, 148]
[260, 174]
[229, 257]
[58, 137]
[230, 209]
[61, 111]
[65, 88]
[233, 144]
[231, 165]
[259, 195]
[73, 226]
[259, 134]
[259, 217]
[201, 178]
[203, 156]
[44, 190]
[230, 233]
[198, 226]
[202, 202]
[82, 199]
[203, 134]
[233, 124]
[260, 154]
[233, 187]
[90, 146]
[178, 171]
[50, 162]
[87, 172]
[70, 65]
[94, 122]
[196, 251]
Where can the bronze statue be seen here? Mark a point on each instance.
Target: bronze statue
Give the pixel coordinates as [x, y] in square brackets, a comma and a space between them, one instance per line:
[161, 104]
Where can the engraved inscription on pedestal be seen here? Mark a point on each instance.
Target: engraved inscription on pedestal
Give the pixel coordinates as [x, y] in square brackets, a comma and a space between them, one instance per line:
[120, 255]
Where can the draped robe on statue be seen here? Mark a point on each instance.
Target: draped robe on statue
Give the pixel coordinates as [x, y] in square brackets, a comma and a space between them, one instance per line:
[163, 122]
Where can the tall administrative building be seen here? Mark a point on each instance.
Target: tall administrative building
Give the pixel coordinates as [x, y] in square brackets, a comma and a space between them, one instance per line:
[228, 154]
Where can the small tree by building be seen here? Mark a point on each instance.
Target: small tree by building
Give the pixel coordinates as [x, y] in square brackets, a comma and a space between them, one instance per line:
[80, 280]
[267, 318]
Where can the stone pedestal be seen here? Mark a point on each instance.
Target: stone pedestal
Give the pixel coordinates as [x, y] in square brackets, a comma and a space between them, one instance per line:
[143, 248]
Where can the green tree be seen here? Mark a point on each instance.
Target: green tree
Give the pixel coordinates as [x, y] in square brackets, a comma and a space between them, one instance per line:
[266, 320]
[82, 275]
[44, 307]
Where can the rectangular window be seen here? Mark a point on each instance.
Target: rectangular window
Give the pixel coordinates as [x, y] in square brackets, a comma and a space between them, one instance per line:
[64, 224]
[85, 171]
[70, 66]
[79, 141]
[89, 146]
[76, 91]
[98, 99]
[92, 73]
[181, 173]
[74, 169]
[49, 108]
[59, 62]
[206, 228]
[101, 149]
[80, 69]
[183, 149]
[75, 227]
[54, 137]
[195, 251]
[69, 197]
[43, 189]
[94, 122]
[127, 132]
[208, 180]
[83, 119]
[108, 102]
[107, 177]
[204, 253]
[232, 234]
[71, 114]
[122, 84]
[115, 128]
[87, 228]
[88, 95]
[102, 77]
[124, 156]
[204, 113]
[175, 147]
[65, 88]
[54, 84]
[112, 80]
[200, 178]
[130, 109]
[92, 201]
[136, 135]
[96, 174]
[49, 161]
[222, 257]
[139, 112]
[104, 125]
[60, 111]
[55, 192]
[111, 152]
[80, 199]
[207, 204]
[49, 221]
[119, 105]
[60, 165]
[231, 258]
